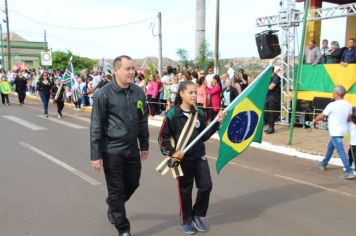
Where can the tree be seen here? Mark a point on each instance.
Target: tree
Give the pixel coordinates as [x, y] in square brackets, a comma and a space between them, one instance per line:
[183, 55]
[205, 57]
[60, 60]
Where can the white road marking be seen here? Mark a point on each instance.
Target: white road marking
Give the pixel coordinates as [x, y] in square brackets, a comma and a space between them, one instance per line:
[62, 122]
[291, 179]
[24, 123]
[61, 164]
[65, 114]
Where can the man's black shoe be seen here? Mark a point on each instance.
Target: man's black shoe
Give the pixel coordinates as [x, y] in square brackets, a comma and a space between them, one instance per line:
[270, 130]
[127, 233]
[111, 217]
[199, 225]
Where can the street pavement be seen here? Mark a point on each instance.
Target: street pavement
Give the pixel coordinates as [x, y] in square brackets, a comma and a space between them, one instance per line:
[49, 188]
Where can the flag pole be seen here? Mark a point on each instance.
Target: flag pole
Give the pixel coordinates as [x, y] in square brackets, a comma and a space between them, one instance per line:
[61, 86]
[299, 72]
[213, 122]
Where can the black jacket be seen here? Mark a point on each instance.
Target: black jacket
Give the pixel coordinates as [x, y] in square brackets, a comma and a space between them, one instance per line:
[118, 122]
[42, 87]
[172, 127]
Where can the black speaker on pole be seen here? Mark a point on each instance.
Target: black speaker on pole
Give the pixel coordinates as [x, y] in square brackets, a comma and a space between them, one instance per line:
[268, 44]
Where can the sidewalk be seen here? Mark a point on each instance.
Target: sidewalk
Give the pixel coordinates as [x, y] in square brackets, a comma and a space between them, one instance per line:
[307, 144]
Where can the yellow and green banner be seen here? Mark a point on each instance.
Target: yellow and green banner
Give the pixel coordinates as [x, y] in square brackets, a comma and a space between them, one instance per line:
[320, 80]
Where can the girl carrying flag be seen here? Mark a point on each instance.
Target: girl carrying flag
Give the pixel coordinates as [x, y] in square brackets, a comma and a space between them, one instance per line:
[194, 162]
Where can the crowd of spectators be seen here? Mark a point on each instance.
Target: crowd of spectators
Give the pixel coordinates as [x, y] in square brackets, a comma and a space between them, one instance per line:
[330, 55]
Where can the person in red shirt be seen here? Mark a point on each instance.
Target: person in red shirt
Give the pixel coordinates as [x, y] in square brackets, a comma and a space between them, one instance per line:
[214, 90]
[152, 94]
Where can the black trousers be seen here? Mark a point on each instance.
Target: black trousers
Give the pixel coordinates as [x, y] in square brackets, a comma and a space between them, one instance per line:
[152, 102]
[197, 170]
[122, 179]
[271, 105]
[21, 93]
[60, 106]
[5, 97]
[352, 154]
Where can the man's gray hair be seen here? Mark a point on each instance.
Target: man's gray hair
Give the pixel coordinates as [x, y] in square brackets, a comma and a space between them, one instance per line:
[340, 90]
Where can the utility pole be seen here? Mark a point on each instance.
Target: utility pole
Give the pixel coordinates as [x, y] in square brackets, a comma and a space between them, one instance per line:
[217, 28]
[160, 66]
[200, 26]
[2, 49]
[45, 41]
[8, 37]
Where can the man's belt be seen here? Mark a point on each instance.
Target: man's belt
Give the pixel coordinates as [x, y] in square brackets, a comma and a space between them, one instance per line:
[168, 164]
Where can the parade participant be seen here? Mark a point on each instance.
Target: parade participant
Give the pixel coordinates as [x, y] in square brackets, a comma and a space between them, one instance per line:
[5, 89]
[44, 87]
[273, 100]
[60, 97]
[119, 138]
[194, 163]
[338, 113]
[20, 84]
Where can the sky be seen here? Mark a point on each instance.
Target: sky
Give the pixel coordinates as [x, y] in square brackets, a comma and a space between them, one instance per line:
[237, 25]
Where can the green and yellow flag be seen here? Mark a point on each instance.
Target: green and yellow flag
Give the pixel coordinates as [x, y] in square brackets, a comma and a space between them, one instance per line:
[244, 120]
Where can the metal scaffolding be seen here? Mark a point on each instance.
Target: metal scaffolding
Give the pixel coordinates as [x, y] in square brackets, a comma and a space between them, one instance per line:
[288, 20]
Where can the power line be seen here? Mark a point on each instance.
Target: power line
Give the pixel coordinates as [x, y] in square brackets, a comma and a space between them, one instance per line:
[82, 28]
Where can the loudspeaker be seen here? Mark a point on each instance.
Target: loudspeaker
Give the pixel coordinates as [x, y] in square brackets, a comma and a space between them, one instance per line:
[304, 105]
[268, 44]
[320, 103]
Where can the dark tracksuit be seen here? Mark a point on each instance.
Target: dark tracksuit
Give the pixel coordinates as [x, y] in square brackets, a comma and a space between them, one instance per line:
[194, 163]
[118, 132]
[272, 100]
[21, 87]
[60, 99]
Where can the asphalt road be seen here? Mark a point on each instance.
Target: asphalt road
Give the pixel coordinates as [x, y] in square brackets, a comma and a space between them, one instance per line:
[48, 187]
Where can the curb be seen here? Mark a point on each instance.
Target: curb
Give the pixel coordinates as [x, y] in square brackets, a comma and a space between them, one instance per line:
[157, 122]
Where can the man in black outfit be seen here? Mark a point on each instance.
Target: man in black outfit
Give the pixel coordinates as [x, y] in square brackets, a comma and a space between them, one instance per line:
[273, 100]
[119, 138]
[20, 87]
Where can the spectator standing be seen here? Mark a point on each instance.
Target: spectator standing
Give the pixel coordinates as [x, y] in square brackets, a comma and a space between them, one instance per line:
[312, 54]
[334, 54]
[338, 113]
[20, 87]
[228, 94]
[242, 80]
[140, 82]
[209, 77]
[174, 89]
[152, 94]
[201, 94]
[323, 50]
[349, 54]
[231, 71]
[215, 100]
[273, 100]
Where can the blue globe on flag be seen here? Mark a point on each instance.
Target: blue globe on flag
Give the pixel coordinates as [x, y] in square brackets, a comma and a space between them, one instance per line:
[242, 126]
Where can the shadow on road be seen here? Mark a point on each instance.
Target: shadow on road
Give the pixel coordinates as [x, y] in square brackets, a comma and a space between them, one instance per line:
[237, 209]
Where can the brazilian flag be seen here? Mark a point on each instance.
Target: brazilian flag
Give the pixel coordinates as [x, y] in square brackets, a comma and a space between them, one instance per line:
[244, 120]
